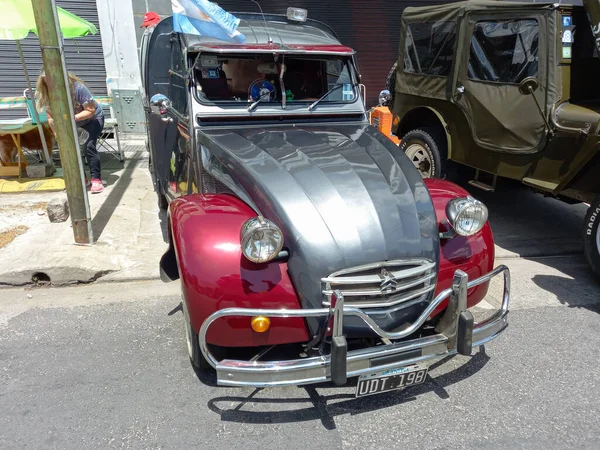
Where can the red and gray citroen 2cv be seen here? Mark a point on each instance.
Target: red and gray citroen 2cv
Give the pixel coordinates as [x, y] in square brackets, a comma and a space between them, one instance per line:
[298, 229]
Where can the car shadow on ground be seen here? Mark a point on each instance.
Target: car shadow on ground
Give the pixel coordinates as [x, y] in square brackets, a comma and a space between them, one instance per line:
[325, 407]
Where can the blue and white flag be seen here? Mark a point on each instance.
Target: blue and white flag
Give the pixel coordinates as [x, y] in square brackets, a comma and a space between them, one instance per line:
[204, 18]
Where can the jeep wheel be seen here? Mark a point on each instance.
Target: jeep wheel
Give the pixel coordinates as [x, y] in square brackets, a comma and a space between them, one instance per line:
[591, 236]
[426, 149]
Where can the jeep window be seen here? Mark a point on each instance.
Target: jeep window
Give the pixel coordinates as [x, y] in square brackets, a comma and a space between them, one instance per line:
[246, 78]
[504, 51]
[429, 48]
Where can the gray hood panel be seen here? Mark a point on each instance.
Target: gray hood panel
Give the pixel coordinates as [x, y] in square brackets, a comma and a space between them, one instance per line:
[338, 193]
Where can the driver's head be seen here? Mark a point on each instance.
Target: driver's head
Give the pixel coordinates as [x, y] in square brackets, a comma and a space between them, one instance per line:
[241, 73]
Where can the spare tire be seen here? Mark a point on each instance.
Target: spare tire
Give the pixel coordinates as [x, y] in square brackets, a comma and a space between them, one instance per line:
[591, 236]
[390, 85]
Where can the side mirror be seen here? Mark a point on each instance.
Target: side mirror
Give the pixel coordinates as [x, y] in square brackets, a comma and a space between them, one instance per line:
[160, 104]
[384, 97]
[528, 85]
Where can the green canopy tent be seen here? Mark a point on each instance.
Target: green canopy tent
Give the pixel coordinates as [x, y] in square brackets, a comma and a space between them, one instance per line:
[17, 21]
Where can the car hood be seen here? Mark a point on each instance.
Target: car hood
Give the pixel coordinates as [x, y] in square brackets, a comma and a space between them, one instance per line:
[343, 196]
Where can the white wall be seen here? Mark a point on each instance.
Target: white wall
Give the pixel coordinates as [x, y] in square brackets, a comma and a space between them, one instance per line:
[119, 44]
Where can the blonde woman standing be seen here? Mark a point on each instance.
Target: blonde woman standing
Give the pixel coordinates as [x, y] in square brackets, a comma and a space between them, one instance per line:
[88, 115]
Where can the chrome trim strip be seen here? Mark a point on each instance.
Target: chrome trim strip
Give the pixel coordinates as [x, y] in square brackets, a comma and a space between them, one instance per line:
[384, 264]
[317, 369]
[399, 287]
[384, 304]
[366, 279]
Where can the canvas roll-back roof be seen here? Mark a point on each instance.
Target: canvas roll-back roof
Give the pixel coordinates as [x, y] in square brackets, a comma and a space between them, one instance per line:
[450, 11]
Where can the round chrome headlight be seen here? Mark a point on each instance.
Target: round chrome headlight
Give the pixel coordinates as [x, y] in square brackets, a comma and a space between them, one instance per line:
[466, 215]
[262, 240]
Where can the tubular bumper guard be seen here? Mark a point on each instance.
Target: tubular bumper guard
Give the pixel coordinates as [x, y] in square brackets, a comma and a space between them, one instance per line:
[457, 333]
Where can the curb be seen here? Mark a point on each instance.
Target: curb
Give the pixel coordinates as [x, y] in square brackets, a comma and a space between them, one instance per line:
[32, 185]
[101, 280]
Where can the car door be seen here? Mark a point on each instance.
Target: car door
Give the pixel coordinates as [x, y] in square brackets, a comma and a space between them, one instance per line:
[156, 64]
[177, 126]
[169, 120]
[498, 53]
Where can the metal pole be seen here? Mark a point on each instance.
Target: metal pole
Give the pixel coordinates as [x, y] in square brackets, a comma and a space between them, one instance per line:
[61, 105]
[47, 155]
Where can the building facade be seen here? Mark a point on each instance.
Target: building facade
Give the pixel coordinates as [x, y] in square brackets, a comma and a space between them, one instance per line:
[372, 27]
[84, 56]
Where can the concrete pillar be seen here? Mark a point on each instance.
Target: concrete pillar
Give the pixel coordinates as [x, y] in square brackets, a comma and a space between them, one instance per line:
[119, 43]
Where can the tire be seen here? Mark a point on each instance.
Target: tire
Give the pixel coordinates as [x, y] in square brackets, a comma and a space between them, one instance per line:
[427, 150]
[193, 345]
[390, 85]
[591, 236]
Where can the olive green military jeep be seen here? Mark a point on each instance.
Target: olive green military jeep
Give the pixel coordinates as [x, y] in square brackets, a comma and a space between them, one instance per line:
[509, 89]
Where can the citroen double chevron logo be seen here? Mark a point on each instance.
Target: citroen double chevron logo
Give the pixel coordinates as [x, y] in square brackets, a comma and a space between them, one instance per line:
[388, 283]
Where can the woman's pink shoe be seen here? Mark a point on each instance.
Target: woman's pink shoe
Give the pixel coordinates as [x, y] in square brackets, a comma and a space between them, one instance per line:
[96, 186]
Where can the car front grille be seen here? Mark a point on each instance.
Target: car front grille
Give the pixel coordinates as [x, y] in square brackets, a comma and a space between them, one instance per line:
[210, 185]
[383, 284]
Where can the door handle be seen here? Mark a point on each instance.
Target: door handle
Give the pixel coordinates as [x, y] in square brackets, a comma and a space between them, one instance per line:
[460, 90]
[167, 119]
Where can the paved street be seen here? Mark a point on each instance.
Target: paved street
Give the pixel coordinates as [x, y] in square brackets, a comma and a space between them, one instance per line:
[105, 366]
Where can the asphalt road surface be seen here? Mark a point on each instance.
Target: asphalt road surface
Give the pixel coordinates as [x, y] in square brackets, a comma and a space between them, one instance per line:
[105, 366]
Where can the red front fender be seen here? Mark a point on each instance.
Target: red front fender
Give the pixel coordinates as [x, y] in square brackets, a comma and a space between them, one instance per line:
[214, 274]
[473, 255]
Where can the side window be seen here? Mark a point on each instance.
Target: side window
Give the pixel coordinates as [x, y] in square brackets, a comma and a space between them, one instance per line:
[504, 51]
[429, 48]
[177, 88]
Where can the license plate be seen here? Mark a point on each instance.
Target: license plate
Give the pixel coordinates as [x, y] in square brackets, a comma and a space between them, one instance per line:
[390, 379]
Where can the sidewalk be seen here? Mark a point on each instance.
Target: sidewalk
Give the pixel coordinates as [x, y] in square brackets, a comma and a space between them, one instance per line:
[128, 228]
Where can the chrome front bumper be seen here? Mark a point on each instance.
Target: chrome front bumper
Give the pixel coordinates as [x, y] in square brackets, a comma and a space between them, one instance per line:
[456, 334]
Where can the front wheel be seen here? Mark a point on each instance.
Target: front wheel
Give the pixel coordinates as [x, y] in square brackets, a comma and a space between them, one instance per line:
[591, 236]
[193, 345]
[426, 148]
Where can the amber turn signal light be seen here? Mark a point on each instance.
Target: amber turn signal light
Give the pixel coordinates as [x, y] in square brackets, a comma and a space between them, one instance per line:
[260, 324]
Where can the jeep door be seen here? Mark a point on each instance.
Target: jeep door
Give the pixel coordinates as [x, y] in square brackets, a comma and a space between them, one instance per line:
[498, 49]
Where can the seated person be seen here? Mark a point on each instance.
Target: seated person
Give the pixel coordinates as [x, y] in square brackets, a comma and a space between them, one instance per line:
[241, 73]
[305, 80]
[213, 84]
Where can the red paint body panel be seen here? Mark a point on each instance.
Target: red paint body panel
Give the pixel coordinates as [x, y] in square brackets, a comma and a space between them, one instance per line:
[473, 255]
[215, 275]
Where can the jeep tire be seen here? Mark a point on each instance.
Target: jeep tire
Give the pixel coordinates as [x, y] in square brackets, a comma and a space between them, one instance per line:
[591, 236]
[427, 150]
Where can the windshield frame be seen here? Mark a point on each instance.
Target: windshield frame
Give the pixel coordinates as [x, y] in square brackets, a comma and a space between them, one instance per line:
[282, 106]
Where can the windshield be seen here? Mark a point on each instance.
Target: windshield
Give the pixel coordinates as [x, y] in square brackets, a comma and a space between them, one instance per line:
[251, 78]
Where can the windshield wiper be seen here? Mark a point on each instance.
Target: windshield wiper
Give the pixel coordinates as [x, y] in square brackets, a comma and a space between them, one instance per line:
[316, 102]
[253, 106]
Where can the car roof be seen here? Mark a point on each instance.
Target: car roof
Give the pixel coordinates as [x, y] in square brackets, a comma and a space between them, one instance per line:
[421, 12]
[259, 30]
